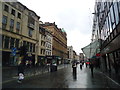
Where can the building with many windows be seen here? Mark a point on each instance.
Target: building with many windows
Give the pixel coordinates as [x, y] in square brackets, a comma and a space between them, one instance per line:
[70, 53]
[59, 42]
[48, 44]
[45, 45]
[106, 28]
[81, 57]
[74, 55]
[20, 26]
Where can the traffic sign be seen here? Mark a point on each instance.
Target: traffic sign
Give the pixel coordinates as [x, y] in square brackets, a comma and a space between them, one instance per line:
[13, 51]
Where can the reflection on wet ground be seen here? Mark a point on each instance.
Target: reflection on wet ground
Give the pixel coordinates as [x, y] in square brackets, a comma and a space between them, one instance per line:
[65, 78]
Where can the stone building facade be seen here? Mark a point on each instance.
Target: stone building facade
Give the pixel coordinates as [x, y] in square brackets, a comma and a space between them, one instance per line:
[59, 42]
[70, 53]
[19, 27]
[81, 57]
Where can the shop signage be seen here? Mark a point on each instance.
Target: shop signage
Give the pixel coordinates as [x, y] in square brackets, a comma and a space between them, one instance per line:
[98, 54]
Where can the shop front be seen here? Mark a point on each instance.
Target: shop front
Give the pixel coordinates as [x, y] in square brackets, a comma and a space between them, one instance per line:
[8, 59]
[110, 55]
[41, 60]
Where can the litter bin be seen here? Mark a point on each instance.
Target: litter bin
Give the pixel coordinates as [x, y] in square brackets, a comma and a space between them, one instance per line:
[53, 68]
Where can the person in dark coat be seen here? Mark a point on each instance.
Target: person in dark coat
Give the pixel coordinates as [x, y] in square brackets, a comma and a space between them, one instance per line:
[81, 65]
[74, 66]
[92, 67]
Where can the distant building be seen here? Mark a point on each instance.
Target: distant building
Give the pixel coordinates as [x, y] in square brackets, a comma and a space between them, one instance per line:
[48, 43]
[74, 55]
[77, 57]
[42, 41]
[59, 41]
[81, 56]
[45, 45]
[70, 53]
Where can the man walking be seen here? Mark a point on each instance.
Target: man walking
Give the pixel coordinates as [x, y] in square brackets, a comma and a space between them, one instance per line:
[74, 66]
[81, 65]
[92, 67]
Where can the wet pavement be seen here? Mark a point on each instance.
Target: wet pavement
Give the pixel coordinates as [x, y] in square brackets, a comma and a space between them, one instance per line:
[10, 73]
[64, 78]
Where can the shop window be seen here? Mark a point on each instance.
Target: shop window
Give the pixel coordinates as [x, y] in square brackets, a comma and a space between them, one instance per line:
[107, 61]
[28, 46]
[31, 47]
[116, 54]
[3, 41]
[111, 57]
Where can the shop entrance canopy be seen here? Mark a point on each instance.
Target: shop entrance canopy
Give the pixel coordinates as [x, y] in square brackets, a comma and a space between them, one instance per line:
[91, 49]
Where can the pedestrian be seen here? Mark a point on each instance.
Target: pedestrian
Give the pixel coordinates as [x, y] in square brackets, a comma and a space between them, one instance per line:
[86, 64]
[27, 63]
[48, 67]
[20, 70]
[92, 67]
[81, 65]
[74, 66]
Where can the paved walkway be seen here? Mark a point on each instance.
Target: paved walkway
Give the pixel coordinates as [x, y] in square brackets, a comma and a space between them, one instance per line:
[10, 73]
[64, 78]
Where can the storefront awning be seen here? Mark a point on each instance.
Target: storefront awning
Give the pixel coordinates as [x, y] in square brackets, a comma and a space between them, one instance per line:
[91, 49]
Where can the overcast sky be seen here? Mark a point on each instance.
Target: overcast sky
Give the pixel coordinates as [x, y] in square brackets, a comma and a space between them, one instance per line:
[75, 16]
